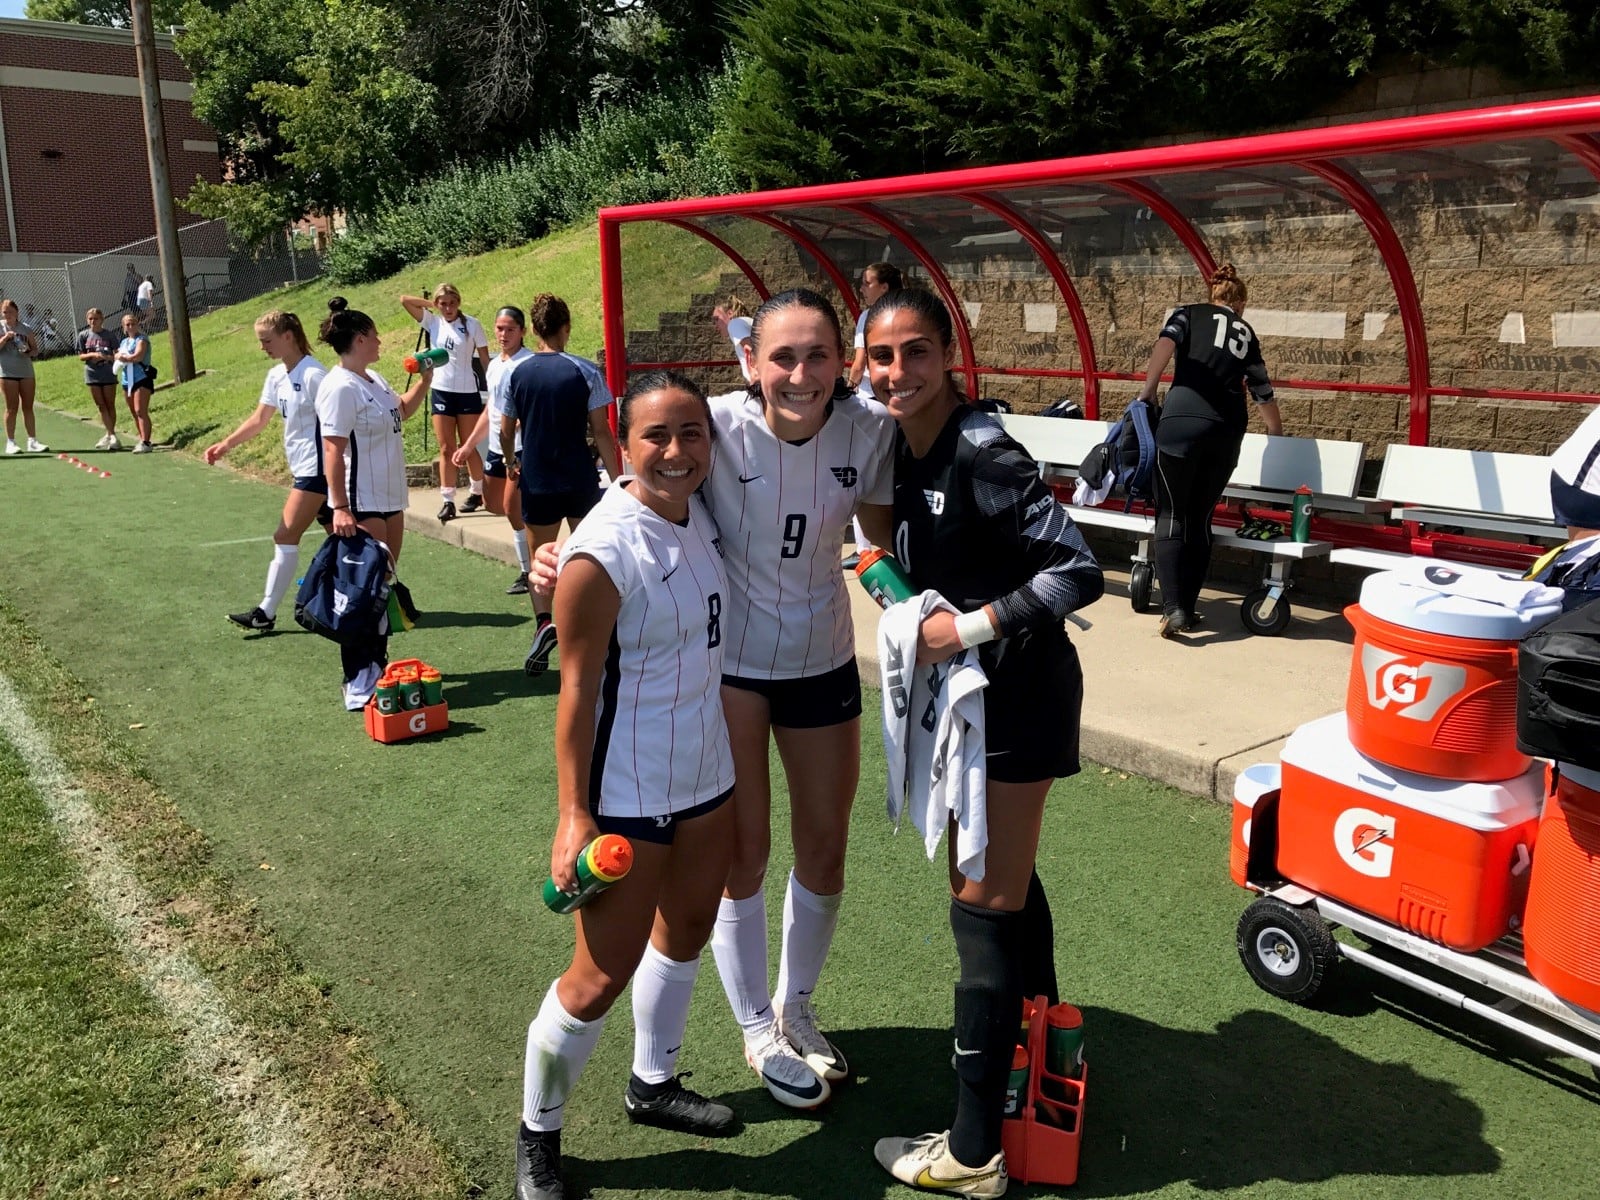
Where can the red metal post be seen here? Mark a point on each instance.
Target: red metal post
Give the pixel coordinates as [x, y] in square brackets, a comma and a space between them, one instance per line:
[734, 256]
[1069, 294]
[1360, 198]
[1173, 218]
[814, 248]
[941, 281]
[612, 332]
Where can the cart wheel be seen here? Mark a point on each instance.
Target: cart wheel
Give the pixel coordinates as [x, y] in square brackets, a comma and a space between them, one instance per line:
[1253, 612]
[1287, 950]
[1139, 585]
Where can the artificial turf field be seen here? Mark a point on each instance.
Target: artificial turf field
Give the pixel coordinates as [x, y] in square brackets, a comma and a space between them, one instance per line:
[404, 880]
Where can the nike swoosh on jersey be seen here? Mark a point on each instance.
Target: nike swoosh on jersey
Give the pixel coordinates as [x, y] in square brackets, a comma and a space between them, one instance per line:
[670, 574]
[749, 478]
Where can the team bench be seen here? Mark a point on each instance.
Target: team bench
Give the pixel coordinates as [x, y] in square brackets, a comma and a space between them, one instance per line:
[1270, 470]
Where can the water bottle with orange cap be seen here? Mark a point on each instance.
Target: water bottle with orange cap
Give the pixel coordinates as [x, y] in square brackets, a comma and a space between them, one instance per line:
[600, 864]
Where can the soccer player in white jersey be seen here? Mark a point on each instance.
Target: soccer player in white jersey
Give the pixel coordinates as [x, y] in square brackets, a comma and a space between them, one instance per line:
[510, 327]
[290, 391]
[798, 455]
[457, 404]
[642, 751]
[361, 420]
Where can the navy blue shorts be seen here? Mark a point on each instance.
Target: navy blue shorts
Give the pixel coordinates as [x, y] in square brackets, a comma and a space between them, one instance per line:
[549, 508]
[494, 466]
[311, 483]
[456, 404]
[813, 702]
[662, 830]
[372, 514]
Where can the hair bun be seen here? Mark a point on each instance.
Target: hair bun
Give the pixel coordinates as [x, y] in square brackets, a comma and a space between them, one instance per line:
[1225, 274]
[338, 304]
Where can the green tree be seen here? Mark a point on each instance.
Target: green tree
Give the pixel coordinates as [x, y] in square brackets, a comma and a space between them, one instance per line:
[101, 12]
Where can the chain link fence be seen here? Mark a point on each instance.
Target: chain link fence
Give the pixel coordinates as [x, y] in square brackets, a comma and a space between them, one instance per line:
[216, 273]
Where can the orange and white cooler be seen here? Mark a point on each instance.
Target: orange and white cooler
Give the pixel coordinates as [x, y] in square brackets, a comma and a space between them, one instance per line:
[1433, 678]
[1561, 935]
[1446, 860]
[1253, 783]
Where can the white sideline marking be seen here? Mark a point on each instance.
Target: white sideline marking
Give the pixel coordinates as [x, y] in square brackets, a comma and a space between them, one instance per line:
[216, 1049]
[266, 537]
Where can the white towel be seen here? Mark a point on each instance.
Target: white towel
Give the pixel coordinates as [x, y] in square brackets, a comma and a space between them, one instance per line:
[1504, 590]
[1087, 494]
[933, 735]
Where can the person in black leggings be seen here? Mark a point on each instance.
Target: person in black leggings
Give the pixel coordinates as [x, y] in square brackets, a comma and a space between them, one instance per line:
[1215, 359]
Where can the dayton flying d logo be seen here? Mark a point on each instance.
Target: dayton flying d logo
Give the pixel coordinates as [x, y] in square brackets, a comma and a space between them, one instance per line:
[1415, 688]
[1364, 840]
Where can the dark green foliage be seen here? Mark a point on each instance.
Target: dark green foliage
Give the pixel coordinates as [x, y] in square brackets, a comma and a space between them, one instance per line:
[836, 88]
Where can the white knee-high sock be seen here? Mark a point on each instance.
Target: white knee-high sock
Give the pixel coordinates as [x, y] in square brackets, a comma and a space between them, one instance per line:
[475, 486]
[285, 560]
[662, 988]
[519, 538]
[808, 924]
[558, 1047]
[739, 944]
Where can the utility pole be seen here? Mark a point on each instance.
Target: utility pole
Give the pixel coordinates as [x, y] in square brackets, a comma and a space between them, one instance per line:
[155, 136]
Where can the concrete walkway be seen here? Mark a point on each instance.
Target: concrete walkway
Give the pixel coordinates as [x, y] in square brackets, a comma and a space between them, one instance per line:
[1192, 712]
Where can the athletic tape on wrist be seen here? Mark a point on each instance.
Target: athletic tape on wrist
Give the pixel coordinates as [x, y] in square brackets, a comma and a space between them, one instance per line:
[974, 629]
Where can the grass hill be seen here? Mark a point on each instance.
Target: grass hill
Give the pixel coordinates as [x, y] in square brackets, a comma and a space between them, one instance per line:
[663, 267]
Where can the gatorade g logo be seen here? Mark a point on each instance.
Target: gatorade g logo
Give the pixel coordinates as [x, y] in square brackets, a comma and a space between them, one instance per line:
[1365, 841]
[1414, 688]
[417, 722]
[1443, 576]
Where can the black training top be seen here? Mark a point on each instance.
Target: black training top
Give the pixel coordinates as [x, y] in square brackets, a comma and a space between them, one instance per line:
[973, 521]
[1217, 357]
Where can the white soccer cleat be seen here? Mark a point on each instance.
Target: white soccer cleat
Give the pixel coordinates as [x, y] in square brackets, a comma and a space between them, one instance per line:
[799, 1025]
[12, 447]
[35, 446]
[787, 1076]
[926, 1162]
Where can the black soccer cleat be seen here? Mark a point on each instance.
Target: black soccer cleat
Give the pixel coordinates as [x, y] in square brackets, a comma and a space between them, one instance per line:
[676, 1107]
[447, 511]
[472, 503]
[255, 620]
[544, 641]
[538, 1164]
[519, 585]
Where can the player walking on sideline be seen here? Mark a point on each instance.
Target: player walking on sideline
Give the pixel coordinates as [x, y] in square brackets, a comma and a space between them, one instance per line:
[19, 345]
[365, 459]
[456, 399]
[641, 750]
[798, 455]
[290, 390]
[1215, 359]
[553, 399]
[96, 346]
[510, 327]
[138, 380]
[973, 521]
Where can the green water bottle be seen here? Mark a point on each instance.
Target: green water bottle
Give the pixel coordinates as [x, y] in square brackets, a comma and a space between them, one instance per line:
[1300, 524]
[425, 360]
[885, 580]
[601, 863]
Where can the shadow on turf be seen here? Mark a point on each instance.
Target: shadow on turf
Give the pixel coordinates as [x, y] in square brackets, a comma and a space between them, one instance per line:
[1258, 1099]
[481, 689]
[464, 620]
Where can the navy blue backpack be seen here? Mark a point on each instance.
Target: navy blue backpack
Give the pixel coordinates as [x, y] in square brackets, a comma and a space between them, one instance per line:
[345, 593]
[1128, 454]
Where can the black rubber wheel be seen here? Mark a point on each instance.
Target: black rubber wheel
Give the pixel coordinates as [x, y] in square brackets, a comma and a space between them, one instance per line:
[1253, 612]
[1141, 581]
[1287, 950]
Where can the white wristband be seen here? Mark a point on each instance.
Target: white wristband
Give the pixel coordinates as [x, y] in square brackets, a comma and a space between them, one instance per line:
[974, 629]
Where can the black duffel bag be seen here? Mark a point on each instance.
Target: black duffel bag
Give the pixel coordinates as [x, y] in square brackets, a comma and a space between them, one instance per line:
[1558, 689]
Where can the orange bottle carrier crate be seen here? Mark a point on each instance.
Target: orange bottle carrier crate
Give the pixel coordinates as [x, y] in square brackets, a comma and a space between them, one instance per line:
[1042, 1142]
[405, 723]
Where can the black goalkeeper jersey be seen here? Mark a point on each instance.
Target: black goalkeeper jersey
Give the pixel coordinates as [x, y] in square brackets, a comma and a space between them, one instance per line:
[973, 521]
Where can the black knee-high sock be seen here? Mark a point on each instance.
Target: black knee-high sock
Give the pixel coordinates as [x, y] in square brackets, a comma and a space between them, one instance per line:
[987, 1008]
[1038, 966]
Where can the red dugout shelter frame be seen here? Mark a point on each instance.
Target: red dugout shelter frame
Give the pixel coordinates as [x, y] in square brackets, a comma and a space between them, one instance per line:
[1193, 196]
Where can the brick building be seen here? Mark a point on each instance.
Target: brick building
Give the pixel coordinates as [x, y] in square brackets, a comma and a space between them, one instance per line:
[74, 178]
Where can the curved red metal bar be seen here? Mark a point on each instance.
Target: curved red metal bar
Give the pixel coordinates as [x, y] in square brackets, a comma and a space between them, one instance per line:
[1365, 205]
[734, 256]
[814, 248]
[1584, 148]
[1174, 220]
[941, 281]
[1069, 294]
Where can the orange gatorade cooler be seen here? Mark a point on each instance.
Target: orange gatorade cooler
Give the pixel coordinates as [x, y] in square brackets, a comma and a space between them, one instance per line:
[1253, 783]
[1446, 861]
[1433, 677]
[1561, 937]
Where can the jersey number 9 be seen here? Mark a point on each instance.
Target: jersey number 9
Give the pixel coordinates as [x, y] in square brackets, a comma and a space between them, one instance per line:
[794, 533]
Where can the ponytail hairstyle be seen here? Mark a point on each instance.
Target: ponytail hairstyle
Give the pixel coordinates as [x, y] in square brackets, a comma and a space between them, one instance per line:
[343, 325]
[887, 274]
[1227, 288]
[658, 381]
[447, 289]
[797, 298]
[515, 313]
[926, 307]
[277, 322]
[549, 315]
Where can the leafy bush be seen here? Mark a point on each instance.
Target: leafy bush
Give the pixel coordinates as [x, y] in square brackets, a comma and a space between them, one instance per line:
[658, 147]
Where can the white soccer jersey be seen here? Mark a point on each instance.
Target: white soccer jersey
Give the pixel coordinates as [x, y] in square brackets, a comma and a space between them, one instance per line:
[366, 411]
[783, 510]
[294, 395]
[660, 742]
[461, 337]
[499, 378]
